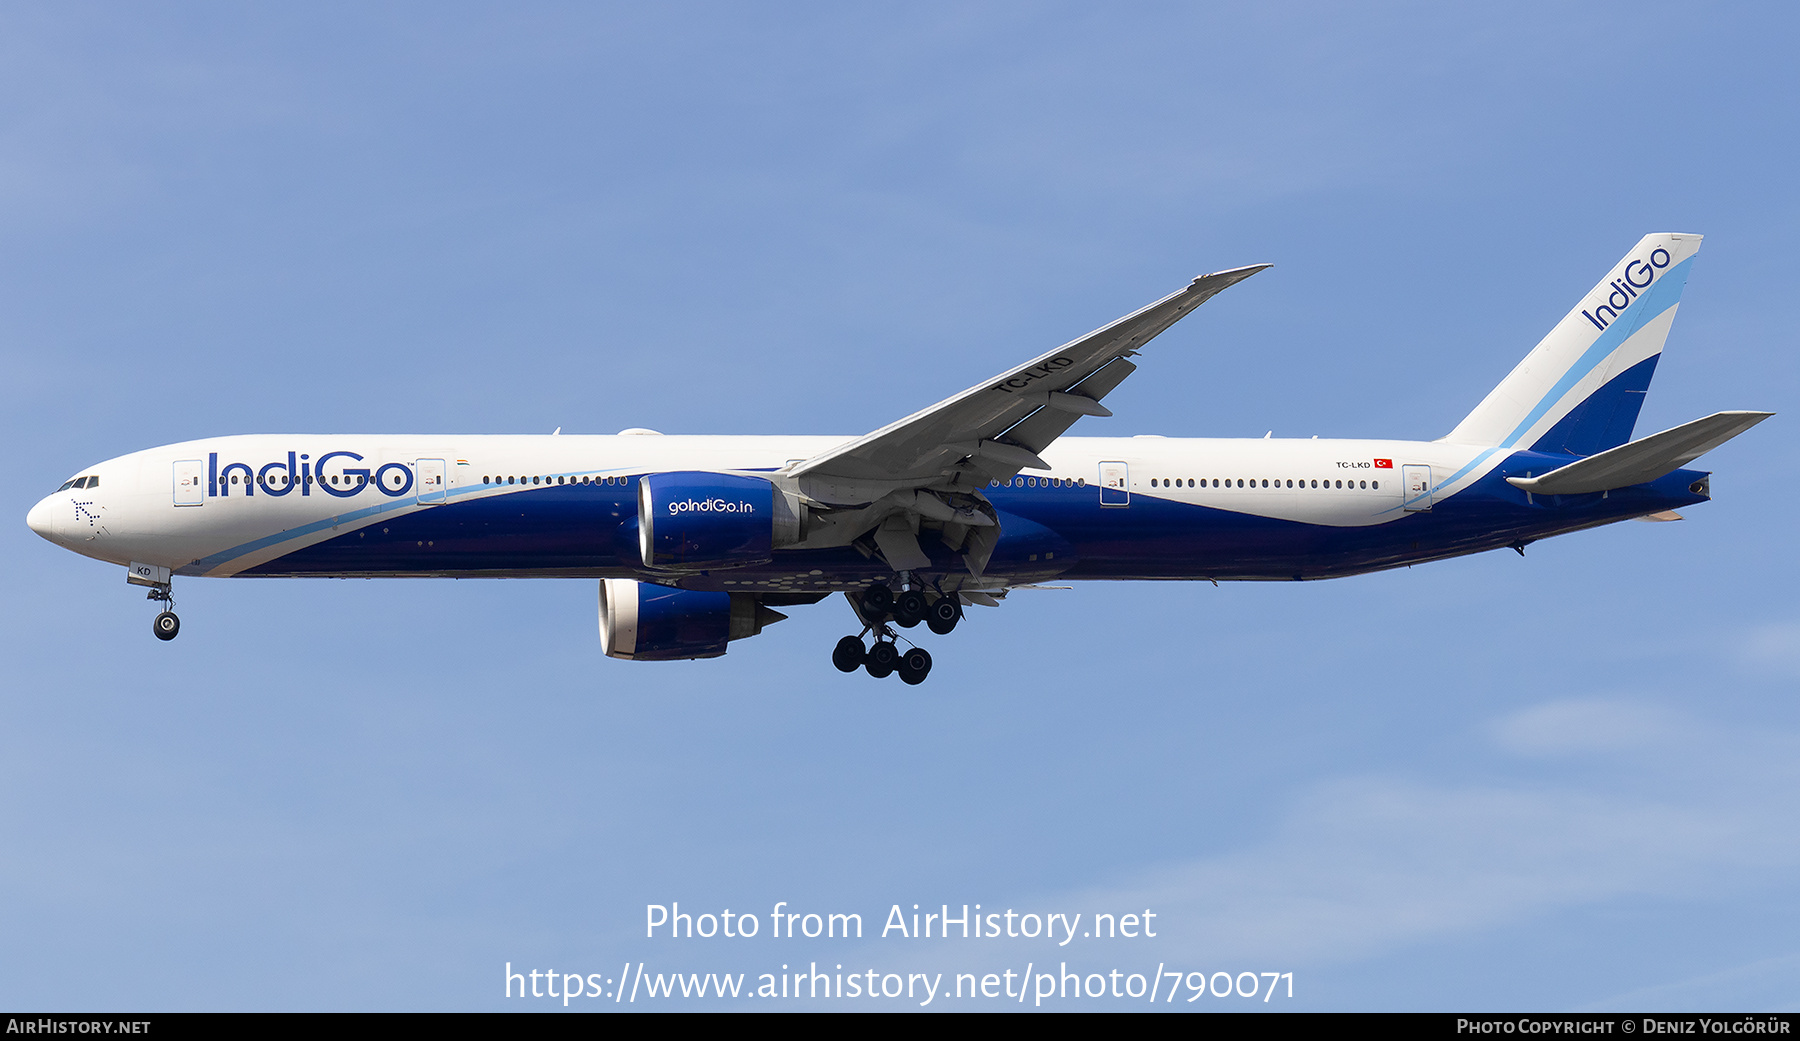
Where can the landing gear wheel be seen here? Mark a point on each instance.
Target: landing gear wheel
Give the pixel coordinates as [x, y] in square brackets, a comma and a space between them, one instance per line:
[166, 626]
[943, 614]
[848, 654]
[878, 600]
[915, 665]
[882, 659]
[910, 608]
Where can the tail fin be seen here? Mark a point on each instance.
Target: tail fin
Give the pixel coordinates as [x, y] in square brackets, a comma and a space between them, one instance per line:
[1580, 389]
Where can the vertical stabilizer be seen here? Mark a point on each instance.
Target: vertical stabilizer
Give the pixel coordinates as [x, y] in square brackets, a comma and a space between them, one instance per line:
[1580, 388]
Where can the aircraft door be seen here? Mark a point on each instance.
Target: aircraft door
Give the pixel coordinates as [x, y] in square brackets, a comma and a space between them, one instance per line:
[431, 488]
[190, 479]
[1415, 482]
[1115, 484]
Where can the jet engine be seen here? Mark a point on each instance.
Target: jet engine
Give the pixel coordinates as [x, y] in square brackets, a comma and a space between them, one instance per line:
[643, 621]
[696, 521]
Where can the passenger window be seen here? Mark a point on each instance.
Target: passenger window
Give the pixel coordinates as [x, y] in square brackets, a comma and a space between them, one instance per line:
[1374, 485]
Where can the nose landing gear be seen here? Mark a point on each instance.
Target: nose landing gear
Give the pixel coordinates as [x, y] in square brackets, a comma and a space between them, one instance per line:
[166, 626]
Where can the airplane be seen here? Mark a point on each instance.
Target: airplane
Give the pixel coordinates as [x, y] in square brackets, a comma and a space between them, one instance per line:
[698, 540]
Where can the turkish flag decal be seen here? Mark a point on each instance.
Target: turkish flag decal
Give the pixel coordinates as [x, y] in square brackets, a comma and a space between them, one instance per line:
[1384, 464]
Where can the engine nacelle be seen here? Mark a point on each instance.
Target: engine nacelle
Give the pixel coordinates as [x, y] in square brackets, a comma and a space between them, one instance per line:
[643, 621]
[694, 521]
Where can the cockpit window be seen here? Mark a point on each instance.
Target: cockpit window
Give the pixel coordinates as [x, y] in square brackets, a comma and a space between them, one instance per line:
[66, 485]
[93, 482]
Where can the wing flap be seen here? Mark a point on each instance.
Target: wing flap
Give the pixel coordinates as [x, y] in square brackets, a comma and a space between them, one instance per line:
[1060, 411]
[1642, 460]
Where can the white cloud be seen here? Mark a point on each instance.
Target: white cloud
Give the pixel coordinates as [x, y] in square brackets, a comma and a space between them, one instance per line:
[1360, 865]
[1774, 648]
[1588, 725]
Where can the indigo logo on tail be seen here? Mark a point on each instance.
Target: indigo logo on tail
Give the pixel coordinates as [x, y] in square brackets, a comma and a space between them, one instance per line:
[1625, 290]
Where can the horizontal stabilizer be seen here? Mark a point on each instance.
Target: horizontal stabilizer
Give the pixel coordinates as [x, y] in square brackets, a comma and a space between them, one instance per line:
[1642, 460]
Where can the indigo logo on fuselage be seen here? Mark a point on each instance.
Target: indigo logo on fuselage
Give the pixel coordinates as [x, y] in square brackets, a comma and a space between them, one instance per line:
[714, 505]
[1625, 290]
[299, 471]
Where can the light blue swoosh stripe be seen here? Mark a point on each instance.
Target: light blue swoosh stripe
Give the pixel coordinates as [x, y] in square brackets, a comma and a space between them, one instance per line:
[1663, 294]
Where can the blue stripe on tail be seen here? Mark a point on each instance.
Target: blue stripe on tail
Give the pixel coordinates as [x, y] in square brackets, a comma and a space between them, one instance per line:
[1605, 420]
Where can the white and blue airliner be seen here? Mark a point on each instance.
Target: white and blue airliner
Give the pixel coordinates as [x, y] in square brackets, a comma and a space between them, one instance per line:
[696, 541]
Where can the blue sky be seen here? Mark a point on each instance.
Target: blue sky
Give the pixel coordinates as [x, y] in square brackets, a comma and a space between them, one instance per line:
[1561, 782]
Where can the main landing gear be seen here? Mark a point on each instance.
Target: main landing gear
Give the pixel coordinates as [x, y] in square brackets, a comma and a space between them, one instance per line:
[877, 605]
[882, 660]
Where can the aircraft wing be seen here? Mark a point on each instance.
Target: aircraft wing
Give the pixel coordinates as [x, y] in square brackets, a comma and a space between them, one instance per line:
[996, 428]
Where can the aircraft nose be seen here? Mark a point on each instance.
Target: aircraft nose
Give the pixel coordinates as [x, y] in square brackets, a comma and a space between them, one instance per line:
[42, 518]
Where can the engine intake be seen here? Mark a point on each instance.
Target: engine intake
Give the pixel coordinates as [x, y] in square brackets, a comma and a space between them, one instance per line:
[643, 621]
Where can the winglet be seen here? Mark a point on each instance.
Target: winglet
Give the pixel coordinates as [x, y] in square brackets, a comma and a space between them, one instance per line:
[1230, 276]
